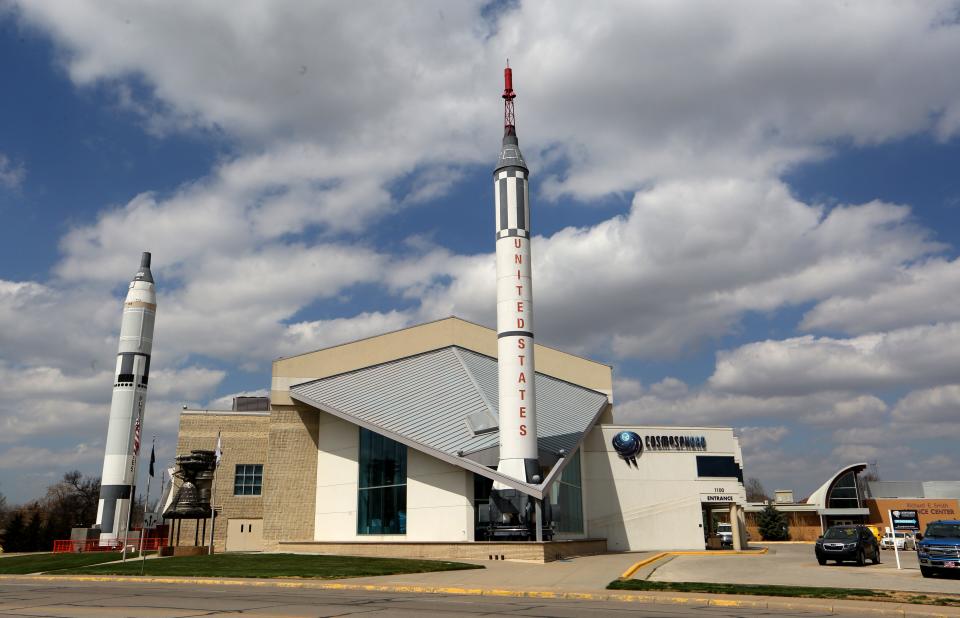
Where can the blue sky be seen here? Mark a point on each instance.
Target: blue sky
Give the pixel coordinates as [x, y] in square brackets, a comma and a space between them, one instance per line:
[755, 231]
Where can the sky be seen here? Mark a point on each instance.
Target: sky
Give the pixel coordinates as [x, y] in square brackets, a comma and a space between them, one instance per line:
[748, 209]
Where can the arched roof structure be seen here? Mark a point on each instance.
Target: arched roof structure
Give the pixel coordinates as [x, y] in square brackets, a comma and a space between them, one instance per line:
[841, 494]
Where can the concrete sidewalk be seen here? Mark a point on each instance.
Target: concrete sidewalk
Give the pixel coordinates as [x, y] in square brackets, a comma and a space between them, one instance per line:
[583, 574]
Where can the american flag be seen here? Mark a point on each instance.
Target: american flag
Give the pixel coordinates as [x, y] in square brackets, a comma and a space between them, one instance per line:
[136, 439]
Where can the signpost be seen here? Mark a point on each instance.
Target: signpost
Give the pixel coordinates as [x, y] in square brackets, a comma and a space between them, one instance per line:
[902, 520]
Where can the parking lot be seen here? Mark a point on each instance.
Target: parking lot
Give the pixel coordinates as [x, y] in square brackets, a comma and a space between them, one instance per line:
[796, 565]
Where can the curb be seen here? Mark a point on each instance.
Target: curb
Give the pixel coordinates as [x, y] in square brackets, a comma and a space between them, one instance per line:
[667, 599]
[638, 565]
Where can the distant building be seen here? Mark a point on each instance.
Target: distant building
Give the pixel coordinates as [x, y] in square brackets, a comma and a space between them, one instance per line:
[845, 498]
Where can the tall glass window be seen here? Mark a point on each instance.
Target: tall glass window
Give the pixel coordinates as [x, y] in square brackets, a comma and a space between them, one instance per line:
[566, 499]
[382, 490]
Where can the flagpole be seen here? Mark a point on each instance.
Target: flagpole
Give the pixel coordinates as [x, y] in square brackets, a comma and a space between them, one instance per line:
[213, 487]
[146, 501]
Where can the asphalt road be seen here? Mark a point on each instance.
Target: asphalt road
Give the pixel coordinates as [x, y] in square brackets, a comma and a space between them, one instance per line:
[107, 600]
[797, 565]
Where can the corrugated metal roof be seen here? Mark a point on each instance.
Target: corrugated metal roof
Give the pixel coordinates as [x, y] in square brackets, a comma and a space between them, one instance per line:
[426, 399]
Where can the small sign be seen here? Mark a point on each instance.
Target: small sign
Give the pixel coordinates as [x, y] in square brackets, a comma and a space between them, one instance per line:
[905, 520]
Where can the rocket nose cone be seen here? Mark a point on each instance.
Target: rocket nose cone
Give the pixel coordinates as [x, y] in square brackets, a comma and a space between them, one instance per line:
[144, 273]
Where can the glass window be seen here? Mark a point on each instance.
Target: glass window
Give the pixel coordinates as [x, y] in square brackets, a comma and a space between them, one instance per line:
[382, 488]
[248, 480]
[844, 494]
[566, 499]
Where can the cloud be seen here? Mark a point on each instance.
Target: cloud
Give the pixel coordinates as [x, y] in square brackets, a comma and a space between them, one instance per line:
[802, 365]
[930, 405]
[11, 173]
[912, 295]
[685, 264]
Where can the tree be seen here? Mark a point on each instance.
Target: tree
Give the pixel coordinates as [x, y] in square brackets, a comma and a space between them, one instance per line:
[755, 490]
[772, 524]
[70, 503]
[13, 540]
[31, 534]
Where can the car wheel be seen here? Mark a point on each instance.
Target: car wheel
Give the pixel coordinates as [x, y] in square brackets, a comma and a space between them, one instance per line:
[861, 559]
[926, 571]
[822, 561]
[876, 556]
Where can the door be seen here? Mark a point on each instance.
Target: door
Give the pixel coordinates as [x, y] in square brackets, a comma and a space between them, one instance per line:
[245, 535]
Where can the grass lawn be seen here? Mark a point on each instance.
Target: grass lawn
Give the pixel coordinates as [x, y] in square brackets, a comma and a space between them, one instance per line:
[19, 565]
[275, 565]
[789, 591]
[754, 589]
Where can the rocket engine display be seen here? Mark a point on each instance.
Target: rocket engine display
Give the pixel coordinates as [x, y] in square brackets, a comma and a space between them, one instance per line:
[511, 511]
[127, 405]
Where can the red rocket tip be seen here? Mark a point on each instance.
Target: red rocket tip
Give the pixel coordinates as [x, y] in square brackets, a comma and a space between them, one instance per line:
[508, 93]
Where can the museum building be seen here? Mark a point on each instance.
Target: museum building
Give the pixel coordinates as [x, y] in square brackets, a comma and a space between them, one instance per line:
[389, 446]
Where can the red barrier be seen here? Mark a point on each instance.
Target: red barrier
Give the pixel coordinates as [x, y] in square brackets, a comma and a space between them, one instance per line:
[133, 544]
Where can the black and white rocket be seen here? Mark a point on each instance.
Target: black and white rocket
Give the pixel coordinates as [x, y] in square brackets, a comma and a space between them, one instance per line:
[515, 363]
[127, 405]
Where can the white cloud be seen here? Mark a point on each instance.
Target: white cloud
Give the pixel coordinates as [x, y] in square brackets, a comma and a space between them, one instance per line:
[11, 173]
[800, 365]
[912, 295]
[930, 405]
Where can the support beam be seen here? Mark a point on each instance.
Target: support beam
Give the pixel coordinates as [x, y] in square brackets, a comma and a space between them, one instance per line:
[538, 508]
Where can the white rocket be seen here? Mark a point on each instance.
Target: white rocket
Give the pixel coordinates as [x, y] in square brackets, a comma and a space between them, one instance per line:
[515, 366]
[126, 407]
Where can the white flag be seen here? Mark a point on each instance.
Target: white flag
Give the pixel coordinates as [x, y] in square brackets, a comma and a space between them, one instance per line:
[217, 454]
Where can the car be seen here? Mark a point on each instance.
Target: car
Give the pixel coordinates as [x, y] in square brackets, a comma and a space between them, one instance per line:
[876, 532]
[725, 532]
[847, 543]
[938, 549]
[903, 540]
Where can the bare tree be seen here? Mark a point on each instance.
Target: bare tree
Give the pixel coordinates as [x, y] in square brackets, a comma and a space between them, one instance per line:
[755, 490]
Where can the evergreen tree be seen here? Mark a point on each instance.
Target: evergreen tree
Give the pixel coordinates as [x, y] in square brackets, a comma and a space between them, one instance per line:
[31, 535]
[13, 540]
[772, 524]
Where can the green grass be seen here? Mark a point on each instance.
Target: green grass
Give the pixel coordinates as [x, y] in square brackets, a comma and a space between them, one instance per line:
[19, 565]
[751, 589]
[274, 565]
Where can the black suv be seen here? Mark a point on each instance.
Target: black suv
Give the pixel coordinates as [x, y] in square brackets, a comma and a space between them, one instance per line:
[841, 543]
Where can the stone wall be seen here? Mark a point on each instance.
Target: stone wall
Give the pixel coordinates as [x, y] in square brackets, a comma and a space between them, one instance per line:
[518, 550]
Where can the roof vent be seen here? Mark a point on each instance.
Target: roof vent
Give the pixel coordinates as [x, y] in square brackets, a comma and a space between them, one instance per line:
[481, 422]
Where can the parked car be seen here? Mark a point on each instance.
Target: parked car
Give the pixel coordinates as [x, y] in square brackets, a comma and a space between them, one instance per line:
[876, 532]
[903, 540]
[938, 549]
[725, 532]
[853, 543]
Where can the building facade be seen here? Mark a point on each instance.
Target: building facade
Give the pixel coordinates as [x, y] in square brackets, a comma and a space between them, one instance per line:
[389, 442]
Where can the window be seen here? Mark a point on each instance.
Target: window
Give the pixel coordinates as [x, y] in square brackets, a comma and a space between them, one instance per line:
[844, 493]
[382, 488]
[719, 466]
[248, 480]
[566, 499]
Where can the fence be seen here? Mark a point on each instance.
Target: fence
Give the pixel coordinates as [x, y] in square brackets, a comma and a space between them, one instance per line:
[133, 544]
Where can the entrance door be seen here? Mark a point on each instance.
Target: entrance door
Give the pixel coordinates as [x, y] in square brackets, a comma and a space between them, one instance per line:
[245, 535]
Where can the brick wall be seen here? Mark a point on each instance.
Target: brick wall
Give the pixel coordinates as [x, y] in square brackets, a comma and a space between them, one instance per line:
[244, 441]
[291, 477]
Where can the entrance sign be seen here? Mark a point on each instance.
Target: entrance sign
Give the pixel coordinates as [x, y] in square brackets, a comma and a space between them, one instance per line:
[905, 520]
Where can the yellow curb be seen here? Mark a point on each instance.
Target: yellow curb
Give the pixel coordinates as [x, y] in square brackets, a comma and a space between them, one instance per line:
[638, 565]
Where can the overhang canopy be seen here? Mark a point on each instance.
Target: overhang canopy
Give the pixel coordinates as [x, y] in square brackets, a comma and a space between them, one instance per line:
[424, 401]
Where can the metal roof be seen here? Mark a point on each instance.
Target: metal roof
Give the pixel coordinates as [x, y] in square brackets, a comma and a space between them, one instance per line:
[424, 401]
